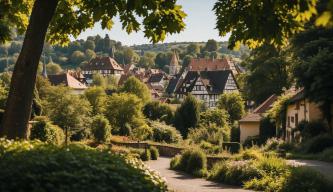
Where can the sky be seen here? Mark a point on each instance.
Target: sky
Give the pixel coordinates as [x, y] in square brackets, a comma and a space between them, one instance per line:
[200, 26]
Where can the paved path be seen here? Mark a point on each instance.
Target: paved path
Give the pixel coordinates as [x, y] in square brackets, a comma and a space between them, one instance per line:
[325, 168]
[181, 182]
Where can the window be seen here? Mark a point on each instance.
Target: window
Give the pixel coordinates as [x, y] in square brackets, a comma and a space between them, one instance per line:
[296, 119]
[292, 119]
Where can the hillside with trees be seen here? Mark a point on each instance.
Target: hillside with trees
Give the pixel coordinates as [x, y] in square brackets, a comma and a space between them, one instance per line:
[79, 52]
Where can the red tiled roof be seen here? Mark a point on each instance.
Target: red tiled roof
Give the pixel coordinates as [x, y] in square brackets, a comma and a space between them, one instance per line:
[256, 115]
[102, 63]
[67, 80]
[266, 105]
[209, 64]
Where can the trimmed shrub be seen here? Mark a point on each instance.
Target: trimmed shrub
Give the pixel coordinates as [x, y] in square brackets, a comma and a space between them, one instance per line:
[154, 153]
[101, 128]
[175, 162]
[31, 166]
[45, 131]
[318, 144]
[192, 161]
[197, 163]
[306, 179]
[233, 173]
[210, 133]
[143, 132]
[165, 133]
[232, 147]
[209, 148]
[251, 153]
[145, 155]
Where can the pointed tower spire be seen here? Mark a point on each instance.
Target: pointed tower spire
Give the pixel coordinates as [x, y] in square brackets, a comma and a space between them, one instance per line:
[174, 64]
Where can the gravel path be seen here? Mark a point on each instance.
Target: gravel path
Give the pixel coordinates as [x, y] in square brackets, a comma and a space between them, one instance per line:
[181, 182]
[325, 168]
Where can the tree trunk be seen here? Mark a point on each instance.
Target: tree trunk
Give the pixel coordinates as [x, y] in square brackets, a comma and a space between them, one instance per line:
[18, 107]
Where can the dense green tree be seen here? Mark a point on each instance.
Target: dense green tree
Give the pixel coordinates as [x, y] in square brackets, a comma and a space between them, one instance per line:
[96, 97]
[211, 45]
[77, 57]
[98, 80]
[273, 22]
[193, 49]
[138, 88]
[313, 67]
[233, 103]
[100, 128]
[220, 117]
[187, 115]
[70, 112]
[268, 73]
[187, 60]
[162, 59]
[60, 19]
[123, 111]
[90, 54]
[89, 44]
[155, 110]
[53, 68]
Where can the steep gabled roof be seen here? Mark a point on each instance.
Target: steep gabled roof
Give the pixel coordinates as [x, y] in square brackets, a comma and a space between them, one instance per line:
[102, 63]
[67, 80]
[257, 114]
[209, 64]
[155, 78]
[299, 95]
[214, 81]
[174, 60]
[266, 105]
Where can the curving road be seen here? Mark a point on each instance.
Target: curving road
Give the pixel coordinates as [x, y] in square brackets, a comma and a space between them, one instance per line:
[181, 182]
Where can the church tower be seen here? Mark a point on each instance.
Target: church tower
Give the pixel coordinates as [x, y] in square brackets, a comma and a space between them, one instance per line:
[174, 65]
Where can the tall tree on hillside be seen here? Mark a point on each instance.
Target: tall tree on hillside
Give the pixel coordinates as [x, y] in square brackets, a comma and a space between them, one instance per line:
[268, 73]
[138, 88]
[187, 115]
[211, 45]
[62, 19]
[313, 67]
[233, 103]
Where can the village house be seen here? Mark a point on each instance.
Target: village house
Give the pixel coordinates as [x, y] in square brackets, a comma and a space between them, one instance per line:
[250, 124]
[199, 64]
[300, 109]
[207, 85]
[67, 80]
[103, 65]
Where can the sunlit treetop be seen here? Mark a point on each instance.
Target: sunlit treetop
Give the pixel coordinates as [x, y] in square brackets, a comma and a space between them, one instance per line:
[14, 14]
[255, 22]
[156, 18]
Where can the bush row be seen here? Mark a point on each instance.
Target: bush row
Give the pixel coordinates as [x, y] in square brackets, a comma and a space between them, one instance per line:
[36, 166]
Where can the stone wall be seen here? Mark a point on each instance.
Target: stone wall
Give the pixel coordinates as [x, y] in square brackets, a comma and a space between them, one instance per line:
[164, 150]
